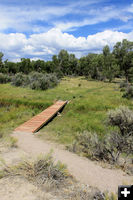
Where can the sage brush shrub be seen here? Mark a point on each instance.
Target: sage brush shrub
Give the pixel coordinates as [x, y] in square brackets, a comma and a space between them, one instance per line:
[20, 79]
[123, 85]
[107, 149]
[4, 78]
[97, 149]
[42, 81]
[92, 147]
[122, 118]
[110, 147]
[35, 80]
[129, 92]
[40, 170]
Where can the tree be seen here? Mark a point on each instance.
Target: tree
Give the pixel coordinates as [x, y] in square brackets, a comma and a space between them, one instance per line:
[38, 65]
[25, 65]
[49, 67]
[96, 66]
[123, 53]
[1, 63]
[10, 67]
[72, 68]
[63, 58]
[109, 62]
[56, 66]
[83, 66]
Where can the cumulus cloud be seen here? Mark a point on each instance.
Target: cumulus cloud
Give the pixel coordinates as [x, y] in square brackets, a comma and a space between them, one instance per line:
[44, 45]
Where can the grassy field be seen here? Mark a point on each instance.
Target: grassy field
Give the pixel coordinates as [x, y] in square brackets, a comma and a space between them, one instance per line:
[89, 103]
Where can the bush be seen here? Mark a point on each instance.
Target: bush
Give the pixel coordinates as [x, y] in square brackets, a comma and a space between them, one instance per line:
[4, 78]
[129, 92]
[122, 117]
[42, 81]
[92, 146]
[111, 146]
[35, 80]
[107, 149]
[123, 85]
[39, 171]
[20, 79]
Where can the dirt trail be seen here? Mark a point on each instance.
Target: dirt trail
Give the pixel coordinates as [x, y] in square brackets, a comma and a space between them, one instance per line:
[82, 169]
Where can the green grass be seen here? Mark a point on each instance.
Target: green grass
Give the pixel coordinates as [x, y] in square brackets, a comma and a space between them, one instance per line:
[10, 117]
[87, 109]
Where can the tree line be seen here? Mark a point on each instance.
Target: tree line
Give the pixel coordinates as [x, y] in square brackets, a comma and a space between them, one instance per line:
[106, 65]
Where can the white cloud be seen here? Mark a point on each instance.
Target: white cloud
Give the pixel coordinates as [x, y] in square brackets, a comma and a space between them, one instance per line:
[12, 41]
[24, 19]
[95, 16]
[38, 18]
[44, 45]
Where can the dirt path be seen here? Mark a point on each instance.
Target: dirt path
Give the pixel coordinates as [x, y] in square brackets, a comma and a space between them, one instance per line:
[82, 169]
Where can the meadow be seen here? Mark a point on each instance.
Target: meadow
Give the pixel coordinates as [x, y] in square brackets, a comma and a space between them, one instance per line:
[89, 102]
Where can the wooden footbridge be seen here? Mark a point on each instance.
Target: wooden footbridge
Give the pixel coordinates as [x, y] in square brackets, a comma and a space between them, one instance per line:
[35, 123]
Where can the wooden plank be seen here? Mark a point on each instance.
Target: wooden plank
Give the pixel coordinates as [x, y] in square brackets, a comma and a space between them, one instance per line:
[36, 122]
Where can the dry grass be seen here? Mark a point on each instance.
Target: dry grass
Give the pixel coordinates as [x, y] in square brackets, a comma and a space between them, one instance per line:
[39, 171]
[52, 178]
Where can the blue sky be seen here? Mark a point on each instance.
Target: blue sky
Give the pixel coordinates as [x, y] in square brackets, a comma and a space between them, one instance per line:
[38, 28]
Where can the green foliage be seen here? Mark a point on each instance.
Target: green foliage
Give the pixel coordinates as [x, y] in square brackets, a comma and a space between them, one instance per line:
[10, 67]
[106, 65]
[4, 78]
[124, 56]
[110, 66]
[1, 63]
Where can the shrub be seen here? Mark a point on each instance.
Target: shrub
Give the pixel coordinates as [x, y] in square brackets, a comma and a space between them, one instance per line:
[43, 81]
[35, 80]
[1, 134]
[111, 146]
[87, 194]
[20, 79]
[107, 149]
[4, 78]
[123, 85]
[123, 89]
[122, 117]
[92, 146]
[129, 92]
[39, 171]
[35, 85]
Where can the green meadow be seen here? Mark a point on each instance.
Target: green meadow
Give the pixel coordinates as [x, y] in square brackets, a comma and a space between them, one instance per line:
[89, 102]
